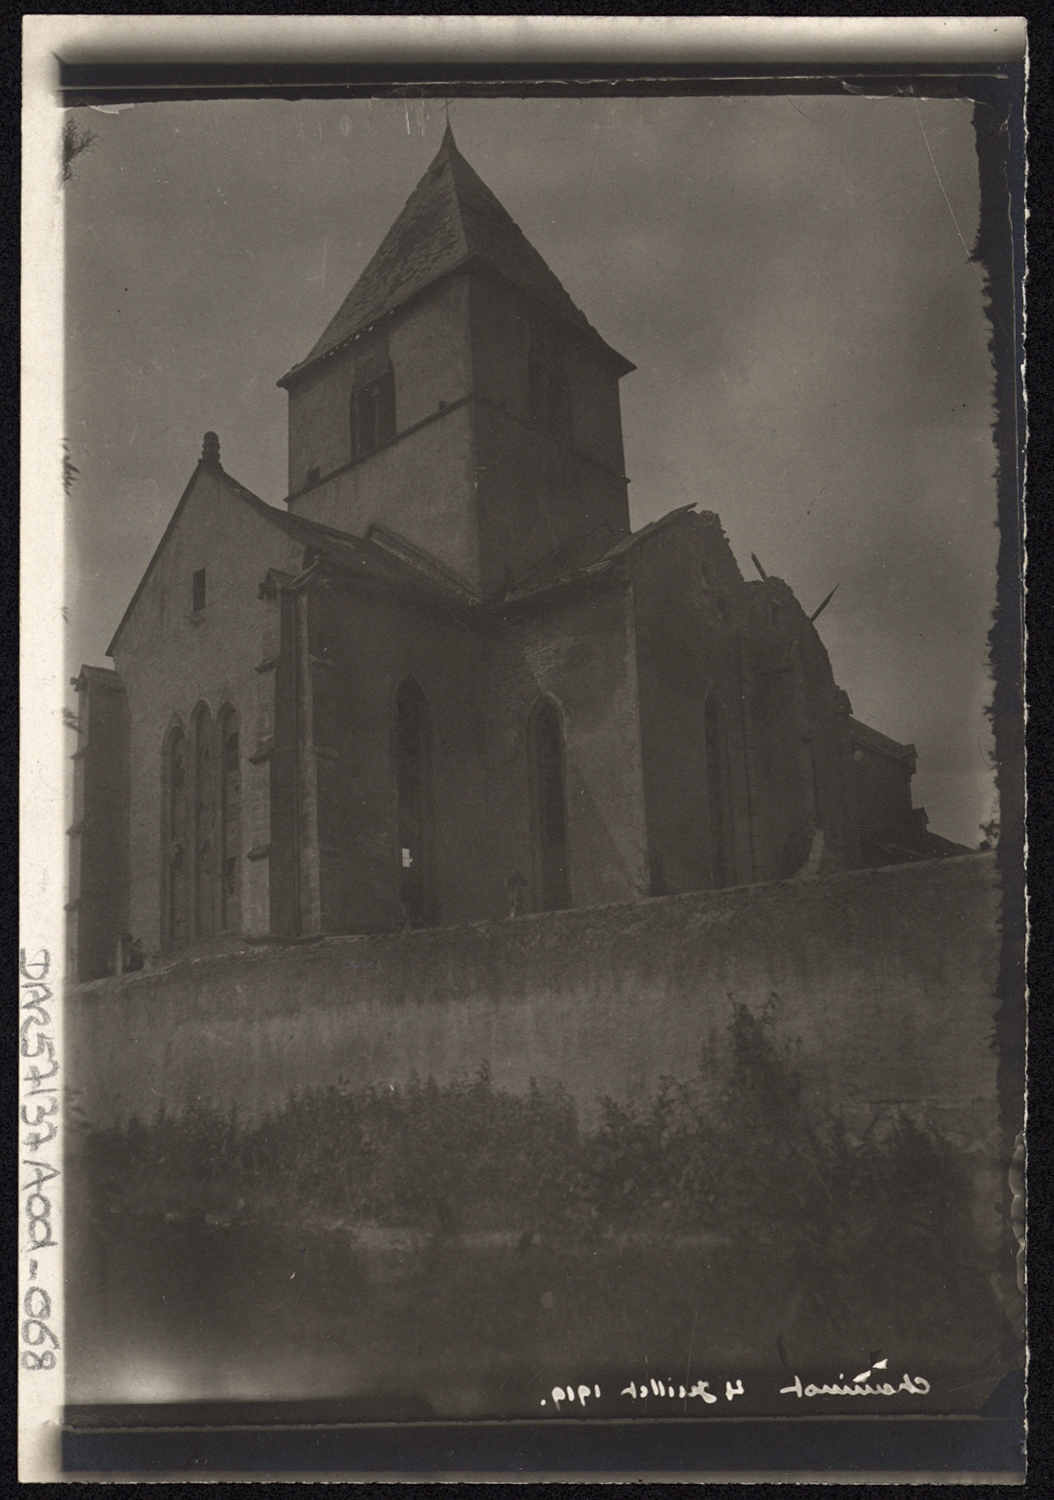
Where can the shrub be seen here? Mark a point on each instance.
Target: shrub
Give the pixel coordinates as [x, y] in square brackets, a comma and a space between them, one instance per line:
[737, 1152]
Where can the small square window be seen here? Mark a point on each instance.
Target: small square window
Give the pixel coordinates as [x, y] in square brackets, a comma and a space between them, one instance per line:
[199, 590]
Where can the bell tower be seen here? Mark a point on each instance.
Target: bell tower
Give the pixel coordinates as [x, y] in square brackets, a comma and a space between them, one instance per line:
[460, 399]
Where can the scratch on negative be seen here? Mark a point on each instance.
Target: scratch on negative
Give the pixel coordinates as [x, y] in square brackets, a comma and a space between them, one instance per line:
[691, 1346]
[947, 200]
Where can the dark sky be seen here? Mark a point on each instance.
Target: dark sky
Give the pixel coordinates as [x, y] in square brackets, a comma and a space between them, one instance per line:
[790, 276]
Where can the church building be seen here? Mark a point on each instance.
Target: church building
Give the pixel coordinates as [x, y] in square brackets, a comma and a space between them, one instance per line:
[446, 682]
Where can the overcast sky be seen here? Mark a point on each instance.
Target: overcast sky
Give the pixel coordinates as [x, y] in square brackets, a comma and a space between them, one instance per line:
[790, 276]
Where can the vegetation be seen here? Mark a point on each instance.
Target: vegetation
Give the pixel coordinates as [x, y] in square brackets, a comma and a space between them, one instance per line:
[448, 1218]
[738, 1154]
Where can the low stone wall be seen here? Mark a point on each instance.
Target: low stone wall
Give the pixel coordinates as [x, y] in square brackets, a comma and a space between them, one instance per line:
[886, 977]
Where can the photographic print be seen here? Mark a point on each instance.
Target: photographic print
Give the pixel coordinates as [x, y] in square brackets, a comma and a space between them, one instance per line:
[535, 905]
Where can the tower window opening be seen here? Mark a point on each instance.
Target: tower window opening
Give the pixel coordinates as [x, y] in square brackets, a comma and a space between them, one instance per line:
[373, 414]
[198, 591]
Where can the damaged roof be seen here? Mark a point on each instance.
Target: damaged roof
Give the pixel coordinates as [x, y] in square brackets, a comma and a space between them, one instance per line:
[537, 584]
[352, 554]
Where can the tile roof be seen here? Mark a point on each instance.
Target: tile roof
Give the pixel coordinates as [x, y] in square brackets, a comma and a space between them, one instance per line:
[355, 554]
[450, 219]
[350, 553]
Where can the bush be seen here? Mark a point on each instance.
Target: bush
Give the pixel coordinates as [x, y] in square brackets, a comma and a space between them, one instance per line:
[738, 1154]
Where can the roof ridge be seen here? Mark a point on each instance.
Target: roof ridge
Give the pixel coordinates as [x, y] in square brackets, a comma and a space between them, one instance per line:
[625, 543]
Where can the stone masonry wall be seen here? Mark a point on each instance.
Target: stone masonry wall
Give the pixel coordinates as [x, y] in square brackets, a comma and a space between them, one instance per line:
[886, 976]
[171, 659]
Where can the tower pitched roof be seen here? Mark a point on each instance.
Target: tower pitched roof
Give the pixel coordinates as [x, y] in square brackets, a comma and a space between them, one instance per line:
[450, 219]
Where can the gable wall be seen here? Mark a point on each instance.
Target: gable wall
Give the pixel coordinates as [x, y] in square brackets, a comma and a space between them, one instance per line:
[702, 630]
[169, 660]
[799, 725]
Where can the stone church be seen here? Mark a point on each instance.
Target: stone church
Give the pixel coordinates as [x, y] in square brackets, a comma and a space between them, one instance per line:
[446, 682]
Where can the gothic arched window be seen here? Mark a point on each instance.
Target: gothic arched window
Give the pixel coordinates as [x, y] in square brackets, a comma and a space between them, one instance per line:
[413, 779]
[545, 750]
[229, 820]
[719, 794]
[175, 858]
[204, 832]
